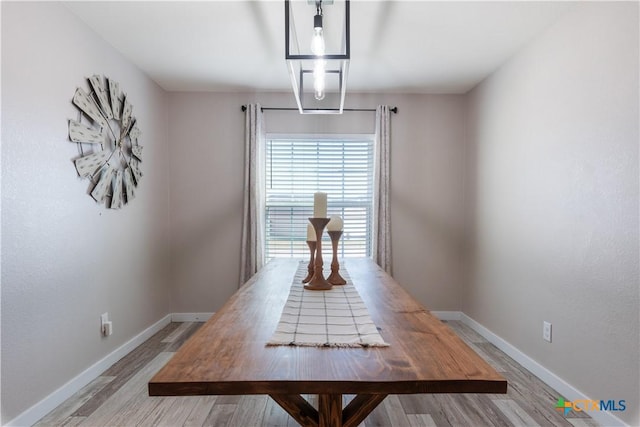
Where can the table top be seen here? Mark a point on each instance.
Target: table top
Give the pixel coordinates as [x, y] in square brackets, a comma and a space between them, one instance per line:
[228, 354]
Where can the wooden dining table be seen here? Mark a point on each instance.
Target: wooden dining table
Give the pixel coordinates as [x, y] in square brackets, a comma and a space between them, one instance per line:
[228, 355]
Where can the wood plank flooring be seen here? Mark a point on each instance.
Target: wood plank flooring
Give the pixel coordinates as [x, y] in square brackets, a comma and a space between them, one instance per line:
[119, 397]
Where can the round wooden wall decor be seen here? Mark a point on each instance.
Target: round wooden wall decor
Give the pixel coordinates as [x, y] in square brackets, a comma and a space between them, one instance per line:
[107, 136]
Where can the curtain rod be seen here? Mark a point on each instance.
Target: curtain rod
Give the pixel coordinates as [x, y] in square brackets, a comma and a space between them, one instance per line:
[244, 108]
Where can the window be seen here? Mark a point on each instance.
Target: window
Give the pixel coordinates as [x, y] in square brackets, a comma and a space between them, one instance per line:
[297, 167]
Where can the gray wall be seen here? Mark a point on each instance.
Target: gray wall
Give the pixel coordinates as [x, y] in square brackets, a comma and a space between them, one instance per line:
[66, 260]
[555, 136]
[427, 195]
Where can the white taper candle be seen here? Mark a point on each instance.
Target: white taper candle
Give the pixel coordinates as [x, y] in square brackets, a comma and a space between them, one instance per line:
[311, 233]
[320, 205]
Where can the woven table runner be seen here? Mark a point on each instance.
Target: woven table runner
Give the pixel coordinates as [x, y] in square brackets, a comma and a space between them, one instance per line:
[333, 318]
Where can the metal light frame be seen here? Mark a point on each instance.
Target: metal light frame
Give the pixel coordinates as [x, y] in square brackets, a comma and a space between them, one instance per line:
[337, 63]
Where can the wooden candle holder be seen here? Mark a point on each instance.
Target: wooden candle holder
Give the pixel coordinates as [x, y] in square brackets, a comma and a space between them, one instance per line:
[335, 278]
[317, 282]
[312, 255]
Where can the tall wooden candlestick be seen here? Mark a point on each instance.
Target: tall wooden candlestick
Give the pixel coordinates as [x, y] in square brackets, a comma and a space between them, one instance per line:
[335, 278]
[312, 255]
[317, 282]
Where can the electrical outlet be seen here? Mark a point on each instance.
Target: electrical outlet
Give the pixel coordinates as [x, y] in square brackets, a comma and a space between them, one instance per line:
[106, 327]
[546, 331]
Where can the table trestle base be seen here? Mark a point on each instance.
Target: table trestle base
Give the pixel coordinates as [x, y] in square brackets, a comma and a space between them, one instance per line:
[330, 412]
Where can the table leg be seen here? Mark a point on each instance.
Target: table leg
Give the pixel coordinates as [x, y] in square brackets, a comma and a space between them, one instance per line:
[330, 410]
[359, 408]
[299, 409]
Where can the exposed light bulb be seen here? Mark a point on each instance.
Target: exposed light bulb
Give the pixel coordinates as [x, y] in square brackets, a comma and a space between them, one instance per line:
[319, 69]
[317, 42]
[317, 48]
[318, 79]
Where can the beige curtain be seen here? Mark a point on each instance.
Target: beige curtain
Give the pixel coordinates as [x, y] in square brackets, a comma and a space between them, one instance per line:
[252, 256]
[381, 210]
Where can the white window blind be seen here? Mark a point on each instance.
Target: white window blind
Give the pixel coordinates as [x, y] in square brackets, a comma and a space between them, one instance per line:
[296, 168]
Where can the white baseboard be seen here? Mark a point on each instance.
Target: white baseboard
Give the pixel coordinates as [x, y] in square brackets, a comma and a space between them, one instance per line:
[565, 389]
[49, 403]
[190, 317]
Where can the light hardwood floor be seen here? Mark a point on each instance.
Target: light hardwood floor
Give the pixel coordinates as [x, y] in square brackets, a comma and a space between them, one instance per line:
[119, 397]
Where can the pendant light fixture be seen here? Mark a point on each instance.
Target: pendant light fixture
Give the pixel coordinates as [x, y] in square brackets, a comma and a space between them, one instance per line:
[318, 77]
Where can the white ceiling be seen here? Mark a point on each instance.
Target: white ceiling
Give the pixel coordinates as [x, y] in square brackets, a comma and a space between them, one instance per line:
[396, 46]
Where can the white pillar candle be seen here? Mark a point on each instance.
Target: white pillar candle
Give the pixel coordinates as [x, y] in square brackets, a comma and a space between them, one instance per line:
[320, 205]
[335, 224]
[311, 233]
